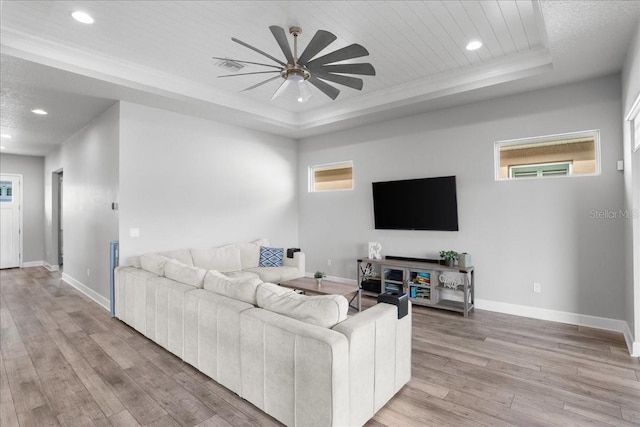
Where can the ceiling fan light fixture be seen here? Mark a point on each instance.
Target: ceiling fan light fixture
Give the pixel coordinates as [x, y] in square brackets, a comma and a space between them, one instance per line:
[474, 45]
[305, 92]
[82, 17]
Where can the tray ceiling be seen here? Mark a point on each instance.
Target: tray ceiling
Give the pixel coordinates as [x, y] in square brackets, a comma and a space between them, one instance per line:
[165, 48]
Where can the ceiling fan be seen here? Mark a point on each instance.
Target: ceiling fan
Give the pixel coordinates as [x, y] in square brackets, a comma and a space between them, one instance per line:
[305, 69]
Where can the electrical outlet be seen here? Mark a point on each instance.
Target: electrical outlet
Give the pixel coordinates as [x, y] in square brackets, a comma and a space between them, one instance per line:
[537, 288]
[329, 262]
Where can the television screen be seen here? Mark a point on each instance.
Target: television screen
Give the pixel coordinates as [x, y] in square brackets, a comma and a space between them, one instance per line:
[416, 204]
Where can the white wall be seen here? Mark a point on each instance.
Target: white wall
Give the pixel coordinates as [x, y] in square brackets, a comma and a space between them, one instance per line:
[89, 160]
[630, 91]
[517, 232]
[189, 182]
[31, 168]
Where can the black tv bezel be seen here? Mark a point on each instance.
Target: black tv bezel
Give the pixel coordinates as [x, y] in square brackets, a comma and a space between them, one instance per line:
[457, 219]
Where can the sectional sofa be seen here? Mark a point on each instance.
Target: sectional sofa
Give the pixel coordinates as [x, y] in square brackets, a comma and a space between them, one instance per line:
[299, 358]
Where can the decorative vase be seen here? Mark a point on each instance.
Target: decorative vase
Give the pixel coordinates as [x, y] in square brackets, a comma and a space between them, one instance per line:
[450, 262]
[318, 281]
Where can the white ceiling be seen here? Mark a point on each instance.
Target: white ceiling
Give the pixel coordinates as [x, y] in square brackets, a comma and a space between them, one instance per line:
[159, 54]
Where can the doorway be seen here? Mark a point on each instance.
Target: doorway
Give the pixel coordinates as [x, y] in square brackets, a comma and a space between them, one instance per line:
[10, 221]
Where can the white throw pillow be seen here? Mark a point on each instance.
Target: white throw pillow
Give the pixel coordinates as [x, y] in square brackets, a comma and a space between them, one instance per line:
[240, 289]
[183, 273]
[154, 263]
[322, 310]
[225, 258]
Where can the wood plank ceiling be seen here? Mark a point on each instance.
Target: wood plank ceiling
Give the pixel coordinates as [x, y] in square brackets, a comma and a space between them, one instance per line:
[410, 42]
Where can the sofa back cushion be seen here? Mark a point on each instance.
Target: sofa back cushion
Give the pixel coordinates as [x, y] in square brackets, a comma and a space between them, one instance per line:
[238, 288]
[183, 273]
[250, 253]
[154, 263]
[182, 255]
[323, 310]
[224, 258]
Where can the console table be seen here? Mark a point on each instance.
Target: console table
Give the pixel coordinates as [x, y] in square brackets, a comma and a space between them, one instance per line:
[426, 283]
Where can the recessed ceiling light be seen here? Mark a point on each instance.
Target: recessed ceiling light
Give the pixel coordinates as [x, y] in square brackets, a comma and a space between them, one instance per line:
[474, 45]
[39, 111]
[83, 17]
[5, 135]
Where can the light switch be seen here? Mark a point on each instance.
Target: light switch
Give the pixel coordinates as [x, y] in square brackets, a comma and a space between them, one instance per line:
[134, 232]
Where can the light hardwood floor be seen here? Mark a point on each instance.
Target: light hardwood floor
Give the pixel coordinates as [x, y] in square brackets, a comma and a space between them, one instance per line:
[63, 361]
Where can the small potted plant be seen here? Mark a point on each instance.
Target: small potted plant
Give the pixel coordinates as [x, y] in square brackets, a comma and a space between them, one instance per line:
[449, 257]
[319, 275]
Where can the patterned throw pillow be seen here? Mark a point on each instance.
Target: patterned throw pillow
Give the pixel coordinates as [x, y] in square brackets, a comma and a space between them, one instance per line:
[271, 257]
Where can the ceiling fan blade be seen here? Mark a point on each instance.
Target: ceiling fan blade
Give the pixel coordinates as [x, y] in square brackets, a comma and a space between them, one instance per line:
[247, 62]
[320, 40]
[255, 49]
[325, 88]
[260, 84]
[246, 74]
[351, 82]
[281, 89]
[365, 69]
[348, 52]
[281, 38]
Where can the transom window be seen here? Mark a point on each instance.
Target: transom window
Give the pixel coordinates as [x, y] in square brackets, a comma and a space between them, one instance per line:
[331, 177]
[563, 155]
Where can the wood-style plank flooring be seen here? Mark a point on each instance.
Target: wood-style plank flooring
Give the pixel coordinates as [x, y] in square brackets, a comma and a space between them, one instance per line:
[63, 361]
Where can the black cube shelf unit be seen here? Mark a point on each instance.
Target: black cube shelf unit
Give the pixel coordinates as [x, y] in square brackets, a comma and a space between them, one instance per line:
[426, 283]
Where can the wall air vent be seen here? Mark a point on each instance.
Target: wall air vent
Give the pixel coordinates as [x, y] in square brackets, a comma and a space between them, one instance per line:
[230, 65]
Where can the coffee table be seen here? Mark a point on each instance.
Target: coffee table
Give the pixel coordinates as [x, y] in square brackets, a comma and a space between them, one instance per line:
[308, 284]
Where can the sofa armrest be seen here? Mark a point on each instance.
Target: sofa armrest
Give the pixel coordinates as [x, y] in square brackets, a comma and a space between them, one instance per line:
[379, 358]
[297, 261]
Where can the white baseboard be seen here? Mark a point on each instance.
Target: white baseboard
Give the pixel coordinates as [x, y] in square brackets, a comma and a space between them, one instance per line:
[615, 325]
[104, 302]
[51, 267]
[32, 264]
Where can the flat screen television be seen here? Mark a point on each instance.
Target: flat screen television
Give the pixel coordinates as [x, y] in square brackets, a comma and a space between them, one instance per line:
[416, 204]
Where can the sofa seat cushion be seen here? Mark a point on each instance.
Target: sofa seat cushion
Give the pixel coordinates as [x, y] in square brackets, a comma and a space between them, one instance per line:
[223, 259]
[235, 288]
[323, 310]
[183, 273]
[276, 274]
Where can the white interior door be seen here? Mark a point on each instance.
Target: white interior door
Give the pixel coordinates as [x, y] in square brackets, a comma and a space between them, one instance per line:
[10, 223]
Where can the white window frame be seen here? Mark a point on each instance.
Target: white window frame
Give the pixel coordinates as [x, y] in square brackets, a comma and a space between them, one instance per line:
[336, 165]
[594, 133]
[633, 117]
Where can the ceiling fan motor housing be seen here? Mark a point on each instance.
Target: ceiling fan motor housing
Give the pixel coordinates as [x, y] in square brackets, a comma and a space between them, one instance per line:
[295, 73]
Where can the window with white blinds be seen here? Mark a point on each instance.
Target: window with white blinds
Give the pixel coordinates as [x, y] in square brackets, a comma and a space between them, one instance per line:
[331, 177]
[564, 155]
